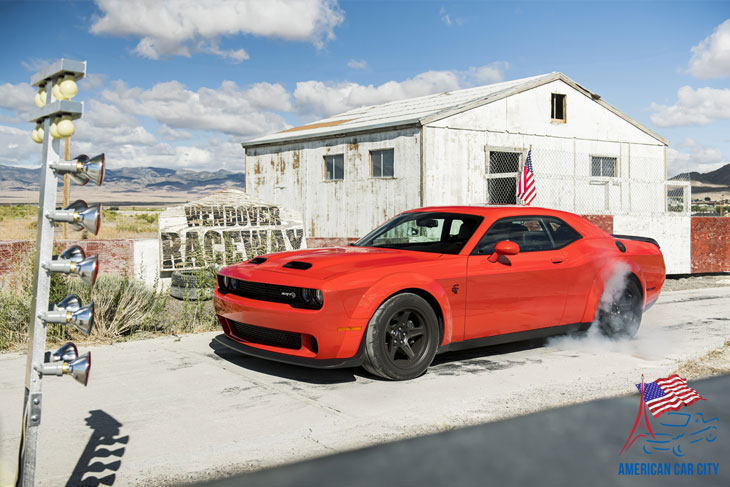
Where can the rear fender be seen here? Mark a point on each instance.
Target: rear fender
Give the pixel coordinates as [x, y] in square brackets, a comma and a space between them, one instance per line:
[390, 285]
[622, 266]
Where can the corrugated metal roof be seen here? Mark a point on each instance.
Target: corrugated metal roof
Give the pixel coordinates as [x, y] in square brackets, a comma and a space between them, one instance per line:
[422, 110]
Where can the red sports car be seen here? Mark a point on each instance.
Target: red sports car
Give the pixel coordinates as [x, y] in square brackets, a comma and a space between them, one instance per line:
[438, 279]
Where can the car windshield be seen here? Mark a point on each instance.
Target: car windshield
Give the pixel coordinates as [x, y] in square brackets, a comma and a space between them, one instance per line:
[437, 232]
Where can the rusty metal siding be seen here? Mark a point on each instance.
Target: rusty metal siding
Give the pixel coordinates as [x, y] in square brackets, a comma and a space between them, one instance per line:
[292, 176]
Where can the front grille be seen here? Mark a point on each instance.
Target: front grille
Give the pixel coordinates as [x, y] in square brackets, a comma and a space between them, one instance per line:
[266, 336]
[293, 296]
[261, 291]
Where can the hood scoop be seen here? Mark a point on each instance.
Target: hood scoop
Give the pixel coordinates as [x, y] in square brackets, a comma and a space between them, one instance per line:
[257, 260]
[297, 264]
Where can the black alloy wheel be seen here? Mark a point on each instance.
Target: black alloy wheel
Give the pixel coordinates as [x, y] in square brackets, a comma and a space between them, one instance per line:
[620, 316]
[402, 338]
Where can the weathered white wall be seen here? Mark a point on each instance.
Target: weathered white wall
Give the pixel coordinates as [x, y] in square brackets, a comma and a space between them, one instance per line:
[455, 154]
[292, 175]
[147, 261]
[673, 232]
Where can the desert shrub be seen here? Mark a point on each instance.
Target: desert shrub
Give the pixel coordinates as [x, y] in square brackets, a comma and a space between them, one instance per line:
[17, 211]
[122, 305]
[109, 214]
[147, 217]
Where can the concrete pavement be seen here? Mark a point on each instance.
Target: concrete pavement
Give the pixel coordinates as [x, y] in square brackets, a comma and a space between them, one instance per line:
[167, 410]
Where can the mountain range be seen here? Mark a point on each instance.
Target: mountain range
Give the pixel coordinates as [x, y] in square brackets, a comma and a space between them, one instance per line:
[126, 185]
[719, 176]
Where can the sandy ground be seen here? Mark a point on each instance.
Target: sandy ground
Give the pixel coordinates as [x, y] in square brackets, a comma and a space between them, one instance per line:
[185, 409]
[696, 282]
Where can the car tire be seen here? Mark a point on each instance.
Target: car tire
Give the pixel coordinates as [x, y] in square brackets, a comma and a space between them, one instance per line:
[193, 285]
[620, 316]
[402, 338]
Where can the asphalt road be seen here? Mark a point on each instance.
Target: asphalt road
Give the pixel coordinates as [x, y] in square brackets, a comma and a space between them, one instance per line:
[162, 411]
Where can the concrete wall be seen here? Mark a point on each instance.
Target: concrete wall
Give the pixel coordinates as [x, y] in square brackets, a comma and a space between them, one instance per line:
[672, 232]
[292, 176]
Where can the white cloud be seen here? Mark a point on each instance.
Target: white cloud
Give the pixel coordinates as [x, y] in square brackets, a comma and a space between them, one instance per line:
[17, 98]
[694, 107]
[317, 99]
[173, 28]
[172, 134]
[357, 64]
[17, 148]
[711, 57]
[229, 109]
[691, 156]
[448, 20]
[35, 64]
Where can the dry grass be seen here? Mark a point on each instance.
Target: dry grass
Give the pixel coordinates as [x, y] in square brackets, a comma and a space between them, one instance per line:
[19, 222]
[716, 362]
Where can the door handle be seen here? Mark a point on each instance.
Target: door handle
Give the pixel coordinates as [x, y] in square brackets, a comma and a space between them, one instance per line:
[556, 260]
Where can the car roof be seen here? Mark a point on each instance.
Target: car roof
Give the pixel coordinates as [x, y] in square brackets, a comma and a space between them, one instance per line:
[494, 212]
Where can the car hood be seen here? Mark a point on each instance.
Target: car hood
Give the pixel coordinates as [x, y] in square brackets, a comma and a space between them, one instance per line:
[332, 261]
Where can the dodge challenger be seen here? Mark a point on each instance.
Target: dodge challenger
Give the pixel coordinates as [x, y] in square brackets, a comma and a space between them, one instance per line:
[438, 279]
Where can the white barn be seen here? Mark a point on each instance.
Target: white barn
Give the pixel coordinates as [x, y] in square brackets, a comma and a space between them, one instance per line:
[350, 172]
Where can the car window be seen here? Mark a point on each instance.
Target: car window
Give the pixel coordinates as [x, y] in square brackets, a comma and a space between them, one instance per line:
[439, 232]
[530, 233]
[562, 233]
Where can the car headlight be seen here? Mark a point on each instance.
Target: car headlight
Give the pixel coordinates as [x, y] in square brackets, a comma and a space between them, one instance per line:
[318, 297]
[306, 295]
[232, 283]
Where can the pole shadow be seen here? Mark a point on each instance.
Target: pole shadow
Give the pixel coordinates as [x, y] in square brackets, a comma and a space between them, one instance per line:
[103, 452]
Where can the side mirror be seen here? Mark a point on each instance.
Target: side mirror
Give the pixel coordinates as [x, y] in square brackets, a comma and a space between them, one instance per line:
[505, 247]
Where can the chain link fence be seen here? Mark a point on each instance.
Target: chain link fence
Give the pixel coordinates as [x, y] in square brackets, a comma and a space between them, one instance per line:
[590, 183]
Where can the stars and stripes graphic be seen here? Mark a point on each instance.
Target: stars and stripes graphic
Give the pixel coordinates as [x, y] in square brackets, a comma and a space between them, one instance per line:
[668, 394]
[526, 187]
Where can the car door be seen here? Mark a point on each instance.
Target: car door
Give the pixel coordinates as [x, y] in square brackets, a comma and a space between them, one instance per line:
[517, 292]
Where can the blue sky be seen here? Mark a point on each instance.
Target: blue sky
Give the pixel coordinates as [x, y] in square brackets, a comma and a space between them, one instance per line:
[181, 84]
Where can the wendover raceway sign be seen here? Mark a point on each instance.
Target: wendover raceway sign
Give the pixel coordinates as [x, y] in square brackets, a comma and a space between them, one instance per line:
[225, 228]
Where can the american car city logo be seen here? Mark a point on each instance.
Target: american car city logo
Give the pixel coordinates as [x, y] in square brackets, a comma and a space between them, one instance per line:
[681, 431]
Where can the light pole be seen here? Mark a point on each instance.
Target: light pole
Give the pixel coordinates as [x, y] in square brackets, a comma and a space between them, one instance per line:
[54, 121]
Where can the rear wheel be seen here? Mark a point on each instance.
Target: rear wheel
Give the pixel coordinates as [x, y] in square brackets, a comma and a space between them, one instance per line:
[619, 316]
[401, 338]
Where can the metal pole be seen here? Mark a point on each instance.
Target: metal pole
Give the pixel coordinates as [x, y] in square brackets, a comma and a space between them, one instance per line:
[66, 183]
[37, 328]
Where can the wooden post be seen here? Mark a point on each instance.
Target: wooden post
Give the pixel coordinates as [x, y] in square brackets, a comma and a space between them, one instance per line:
[66, 183]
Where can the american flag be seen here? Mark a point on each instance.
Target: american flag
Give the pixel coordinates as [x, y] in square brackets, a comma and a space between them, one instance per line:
[526, 188]
[668, 394]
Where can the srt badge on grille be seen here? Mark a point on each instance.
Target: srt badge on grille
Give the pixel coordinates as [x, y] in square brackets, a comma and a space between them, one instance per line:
[289, 295]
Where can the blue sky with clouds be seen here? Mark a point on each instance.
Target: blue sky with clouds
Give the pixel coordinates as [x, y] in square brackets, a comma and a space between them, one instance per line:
[182, 83]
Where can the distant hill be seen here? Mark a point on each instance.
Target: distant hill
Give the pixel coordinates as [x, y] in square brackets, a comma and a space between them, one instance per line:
[719, 176]
[714, 184]
[137, 180]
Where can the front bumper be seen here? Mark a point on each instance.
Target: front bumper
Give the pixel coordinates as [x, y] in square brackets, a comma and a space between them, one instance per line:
[328, 336]
[335, 363]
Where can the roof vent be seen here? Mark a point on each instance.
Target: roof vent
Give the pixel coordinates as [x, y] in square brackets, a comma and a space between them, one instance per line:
[296, 264]
[257, 260]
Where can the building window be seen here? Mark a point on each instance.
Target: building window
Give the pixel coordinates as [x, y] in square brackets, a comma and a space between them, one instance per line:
[557, 107]
[502, 172]
[334, 167]
[604, 167]
[381, 163]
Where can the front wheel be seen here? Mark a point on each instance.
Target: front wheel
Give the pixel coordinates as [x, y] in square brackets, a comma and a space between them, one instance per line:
[402, 338]
[619, 315]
